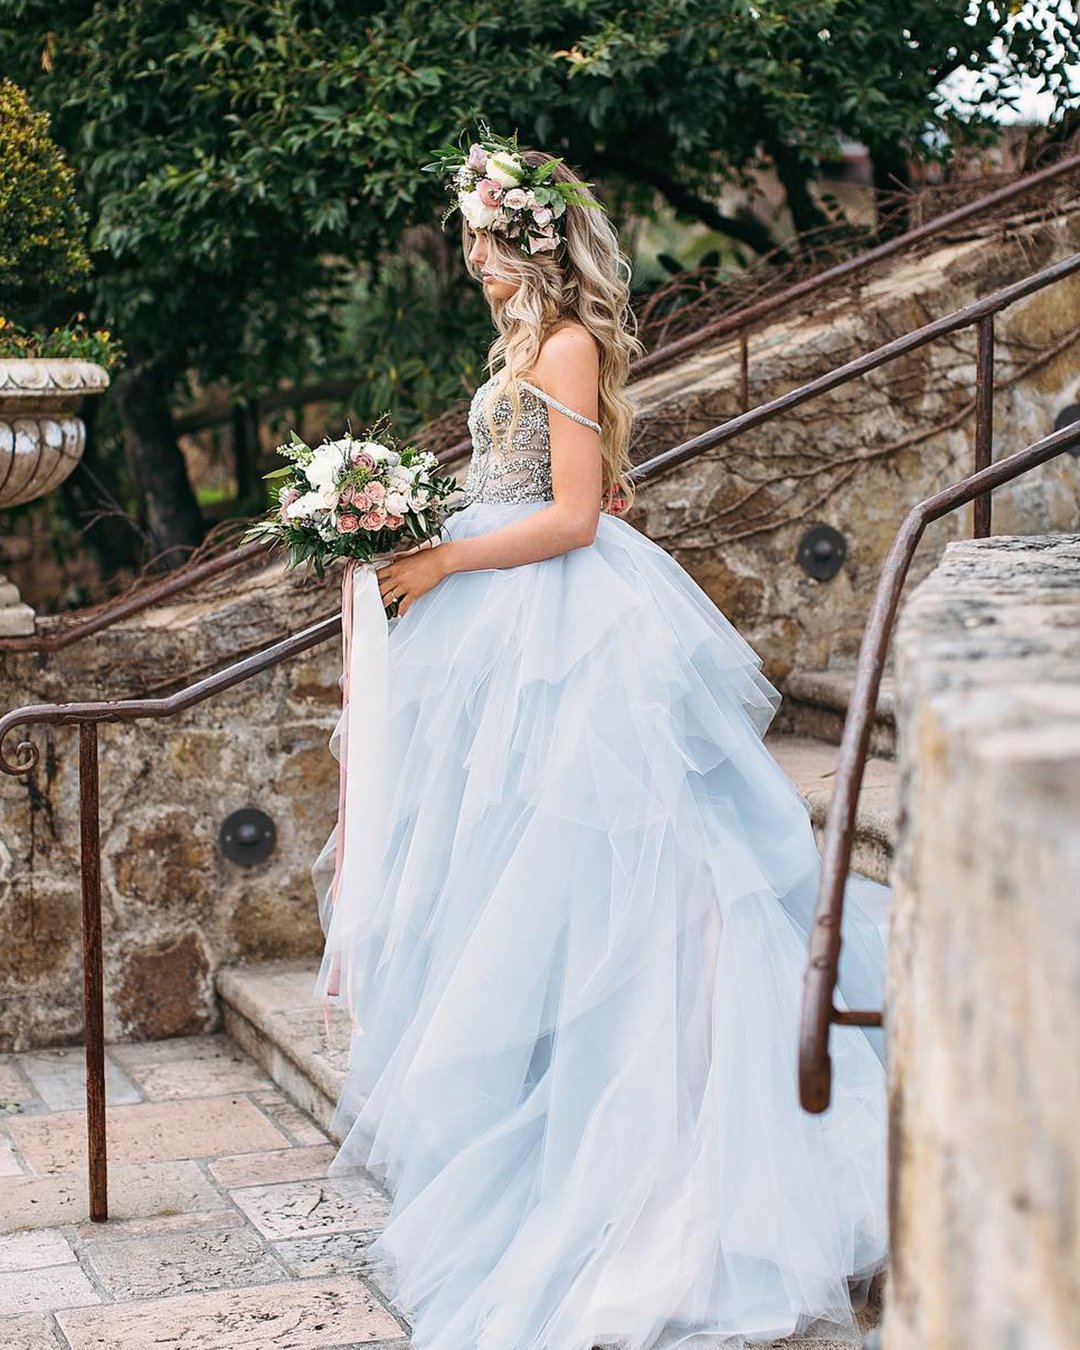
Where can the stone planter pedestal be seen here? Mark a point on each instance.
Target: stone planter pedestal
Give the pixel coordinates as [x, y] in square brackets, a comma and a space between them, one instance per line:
[41, 441]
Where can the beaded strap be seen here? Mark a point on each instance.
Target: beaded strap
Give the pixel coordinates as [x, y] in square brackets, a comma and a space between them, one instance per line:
[547, 398]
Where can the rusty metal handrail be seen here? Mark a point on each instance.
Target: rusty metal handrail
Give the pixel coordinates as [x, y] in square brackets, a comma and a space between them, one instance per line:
[818, 1009]
[739, 322]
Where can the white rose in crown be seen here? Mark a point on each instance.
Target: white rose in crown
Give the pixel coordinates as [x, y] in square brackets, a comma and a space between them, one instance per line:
[515, 199]
[505, 168]
[479, 216]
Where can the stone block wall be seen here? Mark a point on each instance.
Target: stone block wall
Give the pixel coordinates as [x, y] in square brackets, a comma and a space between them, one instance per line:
[983, 1010]
[175, 907]
[857, 459]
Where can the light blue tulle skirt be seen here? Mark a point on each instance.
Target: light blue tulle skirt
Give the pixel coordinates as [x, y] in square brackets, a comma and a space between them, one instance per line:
[576, 984]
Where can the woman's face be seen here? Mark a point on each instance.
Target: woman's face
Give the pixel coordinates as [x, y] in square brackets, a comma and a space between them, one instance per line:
[495, 287]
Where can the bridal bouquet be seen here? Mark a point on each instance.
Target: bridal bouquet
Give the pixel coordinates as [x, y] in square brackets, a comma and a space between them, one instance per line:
[353, 498]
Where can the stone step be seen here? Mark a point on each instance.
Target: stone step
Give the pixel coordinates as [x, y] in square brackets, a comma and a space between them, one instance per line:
[270, 1010]
[816, 703]
[810, 763]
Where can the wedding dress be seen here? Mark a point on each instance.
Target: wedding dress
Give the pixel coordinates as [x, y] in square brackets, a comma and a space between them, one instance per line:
[574, 969]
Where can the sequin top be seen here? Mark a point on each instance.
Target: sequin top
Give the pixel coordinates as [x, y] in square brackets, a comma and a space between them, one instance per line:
[520, 472]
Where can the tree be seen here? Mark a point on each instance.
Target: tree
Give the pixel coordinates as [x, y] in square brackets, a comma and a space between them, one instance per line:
[238, 159]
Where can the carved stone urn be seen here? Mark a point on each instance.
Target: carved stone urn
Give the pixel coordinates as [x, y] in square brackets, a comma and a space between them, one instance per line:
[41, 441]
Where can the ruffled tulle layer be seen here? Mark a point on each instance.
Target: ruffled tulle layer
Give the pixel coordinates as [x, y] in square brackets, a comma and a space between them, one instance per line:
[575, 975]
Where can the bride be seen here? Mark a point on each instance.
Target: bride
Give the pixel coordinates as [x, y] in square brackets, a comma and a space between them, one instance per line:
[574, 967]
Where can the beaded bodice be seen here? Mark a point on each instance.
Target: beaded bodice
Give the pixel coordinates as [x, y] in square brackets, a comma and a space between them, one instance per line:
[519, 471]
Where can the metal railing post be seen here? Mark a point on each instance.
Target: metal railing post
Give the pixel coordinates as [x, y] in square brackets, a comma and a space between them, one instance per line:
[984, 419]
[93, 971]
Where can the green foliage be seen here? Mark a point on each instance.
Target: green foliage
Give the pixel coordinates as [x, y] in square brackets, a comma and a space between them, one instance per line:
[42, 229]
[72, 339]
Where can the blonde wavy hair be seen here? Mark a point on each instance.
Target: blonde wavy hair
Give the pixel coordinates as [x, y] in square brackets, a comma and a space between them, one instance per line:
[587, 279]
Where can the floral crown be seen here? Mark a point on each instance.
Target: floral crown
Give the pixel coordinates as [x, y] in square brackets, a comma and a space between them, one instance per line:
[495, 189]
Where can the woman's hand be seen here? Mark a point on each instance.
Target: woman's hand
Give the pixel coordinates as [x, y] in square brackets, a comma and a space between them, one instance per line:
[410, 575]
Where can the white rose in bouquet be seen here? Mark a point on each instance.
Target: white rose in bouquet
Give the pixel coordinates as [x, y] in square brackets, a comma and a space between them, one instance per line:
[304, 506]
[324, 467]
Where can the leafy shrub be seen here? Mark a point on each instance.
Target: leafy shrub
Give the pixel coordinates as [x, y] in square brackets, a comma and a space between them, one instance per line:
[42, 228]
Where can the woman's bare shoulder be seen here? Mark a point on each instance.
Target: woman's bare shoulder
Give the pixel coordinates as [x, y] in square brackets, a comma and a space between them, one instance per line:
[571, 344]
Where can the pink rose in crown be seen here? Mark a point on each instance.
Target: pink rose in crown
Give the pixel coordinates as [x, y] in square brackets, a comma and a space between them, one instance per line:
[543, 215]
[395, 522]
[375, 491]
[542, 243]
[373, 520]
[477, 159]
[490, 191]
[348, 523]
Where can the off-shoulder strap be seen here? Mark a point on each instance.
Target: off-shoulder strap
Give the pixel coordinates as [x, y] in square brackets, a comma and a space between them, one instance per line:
[548, 398]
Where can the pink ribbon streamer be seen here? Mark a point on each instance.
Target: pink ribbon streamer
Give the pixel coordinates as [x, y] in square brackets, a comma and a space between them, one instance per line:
[365, 670]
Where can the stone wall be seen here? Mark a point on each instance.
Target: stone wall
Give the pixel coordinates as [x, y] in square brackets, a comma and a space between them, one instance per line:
[859, 458]
[175, 907]
[984, 979]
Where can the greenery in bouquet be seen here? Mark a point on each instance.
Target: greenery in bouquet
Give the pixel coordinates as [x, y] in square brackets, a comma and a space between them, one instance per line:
[357, 498]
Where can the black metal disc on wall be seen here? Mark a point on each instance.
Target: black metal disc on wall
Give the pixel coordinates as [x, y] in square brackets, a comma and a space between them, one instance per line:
[247, 836]
[1065, 418]
[822, 551]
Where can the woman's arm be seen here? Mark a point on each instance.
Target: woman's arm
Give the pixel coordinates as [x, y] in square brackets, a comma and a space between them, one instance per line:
[568, 368]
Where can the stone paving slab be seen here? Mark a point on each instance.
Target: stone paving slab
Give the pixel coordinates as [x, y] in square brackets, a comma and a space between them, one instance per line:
[32, 1249]
[13, 1086]
[59, 1080]
[302, 1207]
[45, 1290]
[136, 1190]
[32, 1331]
[10, 1165]
[210, 1065]
[257, 1169]
[149, 1132]
[327, 1254]
[182, 1263]
[300, 1315]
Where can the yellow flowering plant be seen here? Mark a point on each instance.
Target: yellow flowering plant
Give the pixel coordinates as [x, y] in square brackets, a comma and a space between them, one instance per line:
[73, 339]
